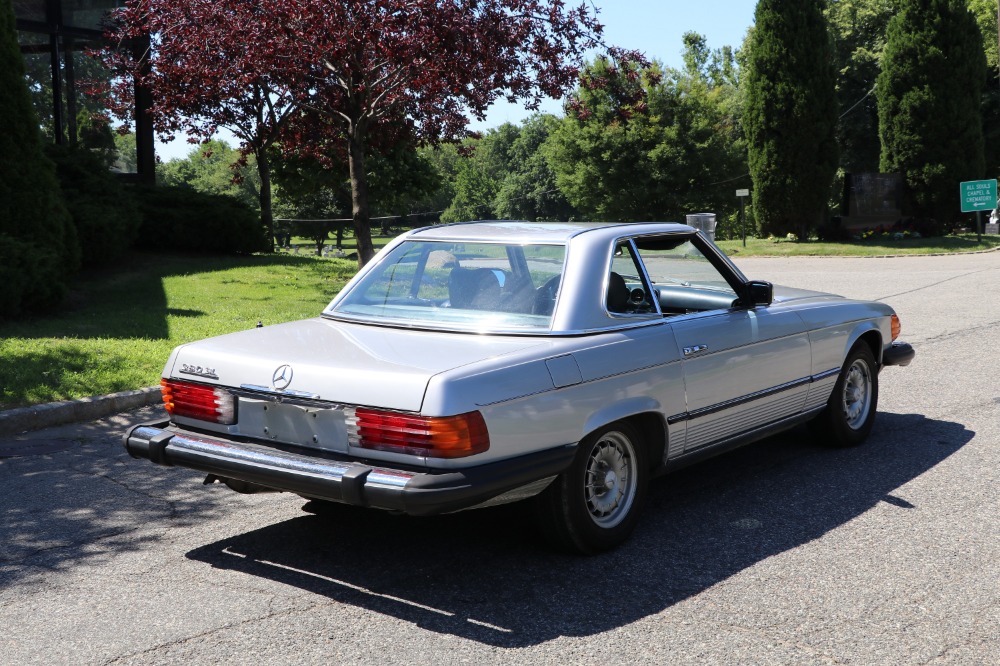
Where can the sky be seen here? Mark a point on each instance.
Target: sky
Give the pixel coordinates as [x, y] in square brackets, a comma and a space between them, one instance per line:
[654, 27]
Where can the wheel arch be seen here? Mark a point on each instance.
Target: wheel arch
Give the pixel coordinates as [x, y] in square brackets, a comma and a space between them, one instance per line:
[653, 429]
[869, 335]
[645, 415]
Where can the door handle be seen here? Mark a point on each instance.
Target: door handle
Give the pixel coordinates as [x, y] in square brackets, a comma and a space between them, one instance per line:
[688, 351]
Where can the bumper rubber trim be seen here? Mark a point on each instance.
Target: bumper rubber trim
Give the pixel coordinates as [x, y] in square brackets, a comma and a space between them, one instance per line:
[347, 481]
[899, 353]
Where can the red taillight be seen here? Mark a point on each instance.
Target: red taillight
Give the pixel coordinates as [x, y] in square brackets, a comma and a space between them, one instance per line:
[198, 401]
[430, 436]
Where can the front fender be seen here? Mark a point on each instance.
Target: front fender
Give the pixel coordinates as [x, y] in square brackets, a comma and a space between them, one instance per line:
[863, 329]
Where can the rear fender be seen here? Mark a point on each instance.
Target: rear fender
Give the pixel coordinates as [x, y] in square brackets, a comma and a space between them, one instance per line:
[618, 411]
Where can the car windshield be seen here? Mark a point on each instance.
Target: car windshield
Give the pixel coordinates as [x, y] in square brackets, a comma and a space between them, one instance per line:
[470, 286]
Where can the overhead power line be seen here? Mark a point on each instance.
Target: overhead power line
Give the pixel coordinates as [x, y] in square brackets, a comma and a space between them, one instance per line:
[855, 105]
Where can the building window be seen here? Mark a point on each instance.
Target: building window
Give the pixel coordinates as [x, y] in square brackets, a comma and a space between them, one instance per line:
[54, 35]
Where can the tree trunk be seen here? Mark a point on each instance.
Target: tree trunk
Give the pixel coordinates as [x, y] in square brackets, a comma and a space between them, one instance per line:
[360, 213]
[266, 216]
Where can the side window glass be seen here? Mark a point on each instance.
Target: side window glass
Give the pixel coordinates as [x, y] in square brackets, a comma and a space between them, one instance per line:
[683, 279]
[627, 292]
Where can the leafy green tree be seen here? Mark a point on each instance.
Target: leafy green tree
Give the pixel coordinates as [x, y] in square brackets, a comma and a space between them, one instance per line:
[651, 144]
[444, 159]
[505, 175]
[402, 182]
[479, 176]
[790, 115]
[38, 247]
[125, 158]
[529, 190]
[929, 103]
[858, 28]
[214, 167]
[985, 12]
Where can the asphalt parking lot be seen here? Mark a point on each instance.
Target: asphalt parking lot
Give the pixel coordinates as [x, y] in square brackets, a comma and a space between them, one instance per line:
[779, 553]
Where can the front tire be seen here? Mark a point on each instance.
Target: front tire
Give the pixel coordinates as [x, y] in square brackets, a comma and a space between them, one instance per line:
[850, 412]
[595, 503]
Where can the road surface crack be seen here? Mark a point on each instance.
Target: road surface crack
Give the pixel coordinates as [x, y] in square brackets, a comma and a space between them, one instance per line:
[934, 284]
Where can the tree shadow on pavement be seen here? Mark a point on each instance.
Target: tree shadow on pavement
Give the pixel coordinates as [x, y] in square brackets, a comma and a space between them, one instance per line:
[481, 575]
[72, 496]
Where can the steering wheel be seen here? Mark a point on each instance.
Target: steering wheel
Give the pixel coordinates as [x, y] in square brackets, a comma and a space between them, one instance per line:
[545, 296]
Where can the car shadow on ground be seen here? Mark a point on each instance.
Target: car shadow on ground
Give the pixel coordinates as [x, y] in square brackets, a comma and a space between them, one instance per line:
[484, 576]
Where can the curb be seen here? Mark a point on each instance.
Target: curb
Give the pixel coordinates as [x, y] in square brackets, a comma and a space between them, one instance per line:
[36, 417]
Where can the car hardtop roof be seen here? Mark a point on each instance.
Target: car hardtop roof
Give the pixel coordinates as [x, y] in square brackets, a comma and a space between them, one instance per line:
[497, 231]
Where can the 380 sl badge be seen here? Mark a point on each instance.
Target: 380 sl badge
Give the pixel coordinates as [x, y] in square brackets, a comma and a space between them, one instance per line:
[188, 369]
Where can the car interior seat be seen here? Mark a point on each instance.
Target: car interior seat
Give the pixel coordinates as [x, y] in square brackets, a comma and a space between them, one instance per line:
[618, 294]
[474, 288]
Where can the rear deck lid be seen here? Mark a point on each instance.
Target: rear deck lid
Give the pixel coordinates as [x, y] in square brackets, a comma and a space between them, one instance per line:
[333, 361]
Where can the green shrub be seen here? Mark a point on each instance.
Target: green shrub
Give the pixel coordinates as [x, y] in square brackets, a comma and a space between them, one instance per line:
[32, 277]
[180, 218]
[104, 212]
[37, 244]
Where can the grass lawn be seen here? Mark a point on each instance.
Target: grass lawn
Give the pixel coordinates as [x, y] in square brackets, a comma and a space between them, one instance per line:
[115, 331]
[876, 246]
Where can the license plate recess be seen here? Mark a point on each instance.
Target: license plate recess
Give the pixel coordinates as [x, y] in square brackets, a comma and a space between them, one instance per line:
[313, 427]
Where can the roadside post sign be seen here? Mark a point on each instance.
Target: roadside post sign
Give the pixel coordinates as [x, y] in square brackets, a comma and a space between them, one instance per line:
[977, 196]
[743, 194]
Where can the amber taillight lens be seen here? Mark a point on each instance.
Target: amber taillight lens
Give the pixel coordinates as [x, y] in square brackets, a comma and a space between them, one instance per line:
[198, 401]
[430, 436]
[896, 327]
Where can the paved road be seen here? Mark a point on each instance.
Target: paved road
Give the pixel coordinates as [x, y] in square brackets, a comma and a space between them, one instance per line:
[779, 553]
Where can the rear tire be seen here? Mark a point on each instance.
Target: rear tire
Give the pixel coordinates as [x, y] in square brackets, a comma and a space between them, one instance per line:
[850, 412]
[595, 503]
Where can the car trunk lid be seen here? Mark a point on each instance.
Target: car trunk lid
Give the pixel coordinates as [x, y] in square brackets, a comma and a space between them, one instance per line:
[338, 362]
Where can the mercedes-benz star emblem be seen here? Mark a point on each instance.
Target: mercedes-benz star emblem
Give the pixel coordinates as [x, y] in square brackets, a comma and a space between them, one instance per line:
[282, 377]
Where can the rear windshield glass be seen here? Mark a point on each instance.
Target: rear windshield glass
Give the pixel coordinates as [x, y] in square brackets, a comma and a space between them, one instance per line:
[478, 286]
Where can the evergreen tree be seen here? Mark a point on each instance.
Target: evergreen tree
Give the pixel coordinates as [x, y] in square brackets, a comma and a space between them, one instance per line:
[790, 115]
[37, 239]
[858, 28]
[985, 12]
[929, 103]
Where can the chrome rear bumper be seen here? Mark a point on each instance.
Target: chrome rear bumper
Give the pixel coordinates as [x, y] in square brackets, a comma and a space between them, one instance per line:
[415, 493]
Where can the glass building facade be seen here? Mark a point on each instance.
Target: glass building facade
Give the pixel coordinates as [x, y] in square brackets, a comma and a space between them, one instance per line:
[53, 36]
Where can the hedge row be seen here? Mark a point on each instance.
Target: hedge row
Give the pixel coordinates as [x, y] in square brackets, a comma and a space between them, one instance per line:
[105, 219]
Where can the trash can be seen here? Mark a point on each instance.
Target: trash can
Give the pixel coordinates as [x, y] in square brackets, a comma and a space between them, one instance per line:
[703, 222]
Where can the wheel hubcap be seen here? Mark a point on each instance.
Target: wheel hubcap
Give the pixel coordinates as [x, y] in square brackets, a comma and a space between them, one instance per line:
[610, 482]
[857, 394]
